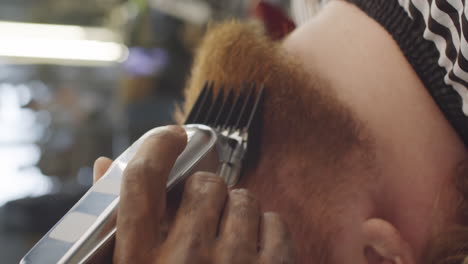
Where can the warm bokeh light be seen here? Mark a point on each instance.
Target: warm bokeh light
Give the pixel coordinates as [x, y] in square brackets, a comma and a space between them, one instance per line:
[41, 43]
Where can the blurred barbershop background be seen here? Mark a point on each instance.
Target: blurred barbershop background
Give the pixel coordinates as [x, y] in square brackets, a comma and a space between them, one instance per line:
[83, 79]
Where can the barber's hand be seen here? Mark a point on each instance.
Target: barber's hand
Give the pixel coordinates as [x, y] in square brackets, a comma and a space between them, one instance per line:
[212, 224]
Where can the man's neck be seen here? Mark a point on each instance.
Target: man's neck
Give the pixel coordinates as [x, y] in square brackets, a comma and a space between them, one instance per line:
[369, 74]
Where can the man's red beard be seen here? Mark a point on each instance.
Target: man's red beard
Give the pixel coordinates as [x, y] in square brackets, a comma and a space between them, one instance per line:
[307, 138]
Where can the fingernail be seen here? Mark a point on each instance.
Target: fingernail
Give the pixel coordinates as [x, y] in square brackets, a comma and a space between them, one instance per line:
[270, 215]
[175, 128]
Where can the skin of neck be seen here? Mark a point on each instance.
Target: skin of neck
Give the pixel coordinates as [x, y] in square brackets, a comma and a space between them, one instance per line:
[417, 151]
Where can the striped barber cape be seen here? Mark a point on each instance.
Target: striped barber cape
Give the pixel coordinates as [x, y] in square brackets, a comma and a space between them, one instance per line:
[433, 35]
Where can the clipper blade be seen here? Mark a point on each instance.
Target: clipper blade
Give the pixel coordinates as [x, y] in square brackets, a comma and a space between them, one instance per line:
[232, 116]
[227, 112]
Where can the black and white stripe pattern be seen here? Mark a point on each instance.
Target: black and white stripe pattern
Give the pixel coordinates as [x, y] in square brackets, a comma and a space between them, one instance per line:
[433, 36]
[447, 27]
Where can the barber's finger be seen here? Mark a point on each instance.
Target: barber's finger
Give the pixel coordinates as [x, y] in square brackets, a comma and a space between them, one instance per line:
[202, 204]
[239, 229]
[143, 195]
[196, 221]
[275, 241]
[101, 165]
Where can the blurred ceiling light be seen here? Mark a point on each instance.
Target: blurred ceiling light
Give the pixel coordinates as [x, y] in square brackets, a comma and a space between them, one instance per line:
[192, 11]
[59, 44]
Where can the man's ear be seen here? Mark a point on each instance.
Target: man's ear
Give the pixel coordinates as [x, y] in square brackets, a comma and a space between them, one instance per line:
[383, 244]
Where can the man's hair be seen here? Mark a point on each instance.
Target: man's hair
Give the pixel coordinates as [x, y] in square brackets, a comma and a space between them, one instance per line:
[450, 246]
[236, 54]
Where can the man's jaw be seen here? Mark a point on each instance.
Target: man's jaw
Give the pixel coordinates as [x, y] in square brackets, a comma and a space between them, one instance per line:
[297, 104]
[307, 138]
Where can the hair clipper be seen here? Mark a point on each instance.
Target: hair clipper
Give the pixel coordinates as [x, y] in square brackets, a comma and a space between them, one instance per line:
[217, 130]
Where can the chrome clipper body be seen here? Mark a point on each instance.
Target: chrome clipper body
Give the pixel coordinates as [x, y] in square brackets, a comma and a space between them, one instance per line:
[217, 129]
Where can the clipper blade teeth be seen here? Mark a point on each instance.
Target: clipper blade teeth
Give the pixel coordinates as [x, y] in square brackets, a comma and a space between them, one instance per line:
[226, 111]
